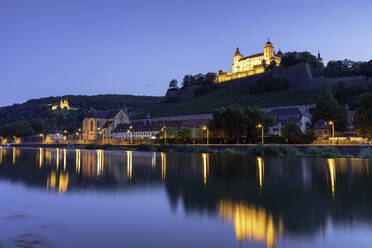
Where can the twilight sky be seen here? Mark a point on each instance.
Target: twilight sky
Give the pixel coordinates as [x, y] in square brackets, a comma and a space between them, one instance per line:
[58, 47]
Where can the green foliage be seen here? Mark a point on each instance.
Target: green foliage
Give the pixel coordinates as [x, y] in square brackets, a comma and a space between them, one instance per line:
[272, 151]
[293, 58]
[348, 93]
[35, 116]
[323, 152]
[173, 84]
[292, 133]
[267, 84]
[346, 68]
[234, 95]
[235, 122]
[363, 116]
[199, 79]
[184, 135]
[328, 109]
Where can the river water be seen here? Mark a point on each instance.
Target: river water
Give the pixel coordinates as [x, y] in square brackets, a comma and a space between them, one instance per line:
[95, 198]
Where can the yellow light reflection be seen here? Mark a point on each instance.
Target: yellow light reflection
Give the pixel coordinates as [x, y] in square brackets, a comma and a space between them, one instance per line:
[41, 157]
[63, 182]
[48, 156]
[153, 160]
[332, 173]
[129, 165]
[64, 159]
[51, 180]
[163, 165]
[1, 154]
[57, 158]
[205, 157]
[100, 162]
[16, 154]
[78, 159]
[260, 171]
[251, 222]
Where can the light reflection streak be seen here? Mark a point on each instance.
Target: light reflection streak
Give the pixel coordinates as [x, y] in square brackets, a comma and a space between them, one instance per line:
[78, 160]
[332, 173]
[1, 154]
[63, 182]
[51, 180]
[260, 171]
[100, 162]
[153, 160]
[251, 222]
[41, 157]
[129, 165]
[57, 158]
[64, 159]
[205, 157]
[163, 165]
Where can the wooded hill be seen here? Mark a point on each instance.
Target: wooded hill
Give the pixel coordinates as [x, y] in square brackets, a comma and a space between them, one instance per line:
[35, 116]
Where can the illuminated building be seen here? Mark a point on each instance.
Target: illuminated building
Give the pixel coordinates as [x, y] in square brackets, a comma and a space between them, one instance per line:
[99, 124]
[63, 104]
[250, 65]
[251, 222]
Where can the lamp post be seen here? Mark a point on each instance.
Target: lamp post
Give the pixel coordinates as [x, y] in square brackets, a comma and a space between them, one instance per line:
[333, 131]
[262, 132]
[79, 130]
[42, 135]
[165, 134]
[206, 129]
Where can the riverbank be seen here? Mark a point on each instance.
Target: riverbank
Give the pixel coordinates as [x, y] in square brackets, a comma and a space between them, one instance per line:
[324, 151]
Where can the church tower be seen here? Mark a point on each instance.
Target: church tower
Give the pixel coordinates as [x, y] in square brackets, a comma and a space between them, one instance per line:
[268, 51]
[237, 57]
[319, 59]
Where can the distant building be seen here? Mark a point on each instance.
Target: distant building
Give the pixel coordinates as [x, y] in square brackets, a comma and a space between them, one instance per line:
[99, 124]
[289, 114]
[63, 104]
[322, 130]
[252, 64]
[149, 129]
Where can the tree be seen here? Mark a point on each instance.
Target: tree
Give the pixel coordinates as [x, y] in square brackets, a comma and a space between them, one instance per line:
[173, 84]
[255, 116]
[235, 122]
[293, 58]
[366, 69]
[342, 68]
[184, 135]
[292, 133]
[363, 116]
[328, 109]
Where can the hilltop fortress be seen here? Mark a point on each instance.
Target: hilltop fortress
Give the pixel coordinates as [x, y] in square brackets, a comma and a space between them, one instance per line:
[252, 64]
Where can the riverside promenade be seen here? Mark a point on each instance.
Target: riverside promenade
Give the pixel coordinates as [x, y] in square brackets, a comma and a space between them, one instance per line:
[353, 150]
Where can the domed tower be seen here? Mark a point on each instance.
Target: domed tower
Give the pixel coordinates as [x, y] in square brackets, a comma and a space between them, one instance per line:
[268, 51]
[237, 57]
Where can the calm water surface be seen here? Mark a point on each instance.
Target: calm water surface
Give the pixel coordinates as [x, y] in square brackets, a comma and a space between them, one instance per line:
[95, 198]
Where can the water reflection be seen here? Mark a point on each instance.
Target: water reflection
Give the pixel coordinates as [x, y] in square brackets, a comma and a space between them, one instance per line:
[251, 222]
[205, 157]
[129, 165]
[260, 171]
[295, 201]
[332, 175]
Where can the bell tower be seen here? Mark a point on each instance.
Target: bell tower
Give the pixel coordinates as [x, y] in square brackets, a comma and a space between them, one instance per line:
[268, 51]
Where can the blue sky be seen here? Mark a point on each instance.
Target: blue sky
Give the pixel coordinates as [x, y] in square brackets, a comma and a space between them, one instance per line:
[58, 47]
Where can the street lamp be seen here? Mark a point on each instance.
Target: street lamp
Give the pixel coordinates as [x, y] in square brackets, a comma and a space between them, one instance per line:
[206, 129]
[262, 132]
[165, 134]
[130, 132]
[42, 135]
[333, 131]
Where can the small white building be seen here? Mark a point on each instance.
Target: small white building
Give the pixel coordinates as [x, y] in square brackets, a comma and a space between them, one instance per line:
[289, 114]
[135, 131]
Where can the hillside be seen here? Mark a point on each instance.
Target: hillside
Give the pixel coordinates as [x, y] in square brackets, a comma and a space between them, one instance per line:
[35, 115]
[222, 97]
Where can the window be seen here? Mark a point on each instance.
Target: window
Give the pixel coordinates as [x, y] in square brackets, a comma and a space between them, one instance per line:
[91, 125]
